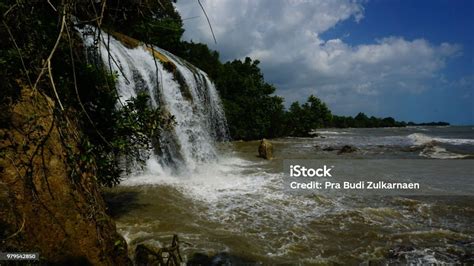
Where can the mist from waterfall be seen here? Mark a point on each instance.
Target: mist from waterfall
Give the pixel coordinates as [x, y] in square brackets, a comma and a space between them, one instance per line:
[182, 91]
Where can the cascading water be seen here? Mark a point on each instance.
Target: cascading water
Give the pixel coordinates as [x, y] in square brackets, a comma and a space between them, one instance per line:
[180, 89]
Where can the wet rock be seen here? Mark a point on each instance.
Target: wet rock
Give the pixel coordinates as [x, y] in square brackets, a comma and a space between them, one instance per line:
[149, 253]
[347, 149]
[223, 258]
[412, 149]
[265, 150]
[329, 149]
[399, 251]
[417, 148]
[146, 254]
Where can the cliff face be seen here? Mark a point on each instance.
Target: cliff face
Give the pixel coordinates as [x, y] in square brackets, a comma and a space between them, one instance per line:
[47, 203]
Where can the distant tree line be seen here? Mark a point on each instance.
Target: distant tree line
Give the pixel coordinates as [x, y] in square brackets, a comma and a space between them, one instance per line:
[440, 123]
[253, 112]
[302, 119]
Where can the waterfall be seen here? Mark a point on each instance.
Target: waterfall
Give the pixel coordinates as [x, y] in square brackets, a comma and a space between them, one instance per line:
[175, 86]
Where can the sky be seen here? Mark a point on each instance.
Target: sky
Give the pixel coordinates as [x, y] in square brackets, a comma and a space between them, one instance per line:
[412, 60]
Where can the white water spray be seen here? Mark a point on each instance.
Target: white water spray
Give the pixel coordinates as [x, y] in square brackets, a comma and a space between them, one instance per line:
[185, 93]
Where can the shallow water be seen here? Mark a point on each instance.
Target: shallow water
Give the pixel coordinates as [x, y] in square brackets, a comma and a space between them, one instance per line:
[236, 205]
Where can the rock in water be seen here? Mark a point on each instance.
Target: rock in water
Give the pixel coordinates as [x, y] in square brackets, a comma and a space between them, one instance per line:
[146, 254]
[347, 149]
[265, 150]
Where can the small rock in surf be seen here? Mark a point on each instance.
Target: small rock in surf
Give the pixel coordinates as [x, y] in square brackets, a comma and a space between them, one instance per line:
[265, 150]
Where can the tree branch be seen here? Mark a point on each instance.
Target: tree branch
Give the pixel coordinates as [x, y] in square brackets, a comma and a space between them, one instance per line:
[208, 22]
[48, 60]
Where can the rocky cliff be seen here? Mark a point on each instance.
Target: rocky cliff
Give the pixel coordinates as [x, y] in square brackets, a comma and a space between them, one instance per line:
[49, 200]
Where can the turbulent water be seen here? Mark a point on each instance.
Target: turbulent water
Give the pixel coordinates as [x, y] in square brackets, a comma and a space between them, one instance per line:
[228, 204]
[235, 207]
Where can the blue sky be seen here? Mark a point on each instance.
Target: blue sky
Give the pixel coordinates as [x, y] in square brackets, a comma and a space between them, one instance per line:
[413, 60]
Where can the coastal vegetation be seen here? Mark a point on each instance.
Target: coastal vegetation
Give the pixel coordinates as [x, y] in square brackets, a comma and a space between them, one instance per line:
[440, 123]
[252, 109]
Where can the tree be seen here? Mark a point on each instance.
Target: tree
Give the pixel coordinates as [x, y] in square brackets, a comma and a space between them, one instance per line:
[251, 109]
[320, 114]
[297, 124]
[361, 120]
[313, 114]
[150, 21]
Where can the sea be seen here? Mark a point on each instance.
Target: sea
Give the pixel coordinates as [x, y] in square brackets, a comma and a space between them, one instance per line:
[237, 209]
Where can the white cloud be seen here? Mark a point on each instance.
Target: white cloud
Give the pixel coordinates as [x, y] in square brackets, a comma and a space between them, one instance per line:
[244, 26]
[286, 37]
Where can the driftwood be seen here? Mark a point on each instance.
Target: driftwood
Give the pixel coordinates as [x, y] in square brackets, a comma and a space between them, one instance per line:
[149, 255]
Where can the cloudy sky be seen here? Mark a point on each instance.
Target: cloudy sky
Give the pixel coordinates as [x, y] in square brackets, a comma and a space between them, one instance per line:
[413, 60]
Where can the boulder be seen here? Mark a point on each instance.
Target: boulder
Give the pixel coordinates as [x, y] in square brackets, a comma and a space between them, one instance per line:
[421, 147]
[146, 254]
[347, 149]
[313, 134]
[222, 258]
[265, 150]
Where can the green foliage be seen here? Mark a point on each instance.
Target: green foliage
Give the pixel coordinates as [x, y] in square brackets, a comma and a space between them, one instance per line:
[150, 21]
[112, 139]
[439, 123]
[361, 120]
[311, 115]
[302, 119]
[33, 35]
[201, 56]
[131, 131]
[251, 110]
[118, 135]
[296, 117]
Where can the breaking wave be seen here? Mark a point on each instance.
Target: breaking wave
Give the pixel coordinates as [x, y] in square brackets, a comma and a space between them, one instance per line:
[422, 139]
[436, 152]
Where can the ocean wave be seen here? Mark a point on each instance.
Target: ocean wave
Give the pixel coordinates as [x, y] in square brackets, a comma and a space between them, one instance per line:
[422, 139]
[436, 152]
[430, 148]
[326, 132]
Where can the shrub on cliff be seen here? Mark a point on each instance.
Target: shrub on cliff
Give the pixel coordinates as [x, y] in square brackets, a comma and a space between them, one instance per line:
[42, 50]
